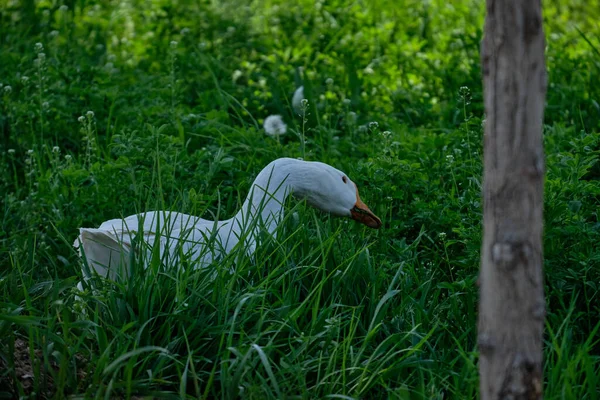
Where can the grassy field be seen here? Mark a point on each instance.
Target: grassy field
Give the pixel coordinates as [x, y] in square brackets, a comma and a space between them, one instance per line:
[108, 108]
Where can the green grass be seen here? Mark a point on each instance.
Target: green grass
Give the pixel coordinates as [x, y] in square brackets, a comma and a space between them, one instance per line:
[131, 106]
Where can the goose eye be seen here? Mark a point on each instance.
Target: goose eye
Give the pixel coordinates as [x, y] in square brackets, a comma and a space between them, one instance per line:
[345, 179]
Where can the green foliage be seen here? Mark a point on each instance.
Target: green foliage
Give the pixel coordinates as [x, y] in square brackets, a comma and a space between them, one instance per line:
[109, 108]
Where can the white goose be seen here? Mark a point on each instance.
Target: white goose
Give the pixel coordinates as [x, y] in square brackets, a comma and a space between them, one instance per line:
[107, 248]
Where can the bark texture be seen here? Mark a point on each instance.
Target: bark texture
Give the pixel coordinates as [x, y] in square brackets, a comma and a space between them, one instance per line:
[512, 307]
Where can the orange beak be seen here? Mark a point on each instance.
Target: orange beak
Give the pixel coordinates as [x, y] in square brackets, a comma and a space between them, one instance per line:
[362, 214]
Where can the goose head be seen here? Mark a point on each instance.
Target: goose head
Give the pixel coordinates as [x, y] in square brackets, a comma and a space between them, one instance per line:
[330, 190]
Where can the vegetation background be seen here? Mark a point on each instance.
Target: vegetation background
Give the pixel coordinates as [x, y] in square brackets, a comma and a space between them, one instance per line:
[108, 108]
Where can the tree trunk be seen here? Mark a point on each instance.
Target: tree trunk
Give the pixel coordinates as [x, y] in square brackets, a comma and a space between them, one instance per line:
[512, 307]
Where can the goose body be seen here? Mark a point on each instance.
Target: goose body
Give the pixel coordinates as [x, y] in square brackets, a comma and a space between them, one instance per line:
[108, 248]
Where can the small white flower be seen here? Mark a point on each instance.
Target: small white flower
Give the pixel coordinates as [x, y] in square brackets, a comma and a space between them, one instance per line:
[346, 102]
[11, 151]
[184, 31]
[45, 105]
[42, 56]
[373, 125]
[63, 8]
[90, 114]
[329, 81]
[53, 33]
[39, 47]
[81, 119]
[24, 79]
[352, 117]
[68, 157]
[56, 149]
[173, 44]
[274, 125]
[297, 99]
[30, 152]
[7, 89]
[237, 74]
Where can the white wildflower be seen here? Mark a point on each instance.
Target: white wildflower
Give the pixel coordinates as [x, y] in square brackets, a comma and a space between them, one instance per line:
[346, 102]
[297, 99]
[329, 81]
[81, 119]
[39, 47]
[56, 149]
[90, 114]
[63, 8]
[7, 89]
[24, 79]
[237, 74]
[352, 117]
[68, 157]
[274, 125]
[11, 151]
[30, 152]
[173, 44]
